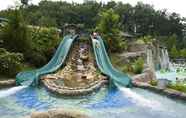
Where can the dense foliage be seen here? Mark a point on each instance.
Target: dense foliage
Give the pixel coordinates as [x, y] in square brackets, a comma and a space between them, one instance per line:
[108, 27]
[43, 44]
[10, 63]
[15, 35]
[140, 20]
[133, 66]
[178, 86]
[30, 28]
[22, 44]
[138, 66]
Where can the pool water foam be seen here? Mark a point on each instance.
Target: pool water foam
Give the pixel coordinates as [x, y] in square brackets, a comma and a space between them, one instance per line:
[10, 91]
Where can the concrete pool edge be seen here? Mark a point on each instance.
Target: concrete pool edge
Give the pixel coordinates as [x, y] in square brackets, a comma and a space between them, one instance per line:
[59, 113]
[142, 81]
[174, 94]
[7, 83]
[74, 91]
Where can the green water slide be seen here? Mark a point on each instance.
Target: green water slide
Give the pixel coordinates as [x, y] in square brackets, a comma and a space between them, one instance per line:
[32, 77]
[105, 65]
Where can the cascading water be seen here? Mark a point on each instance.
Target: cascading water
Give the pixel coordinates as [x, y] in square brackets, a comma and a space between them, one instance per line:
[138, 99]
[164, 60]
[166, 70]
[8, 92]
[150, 61]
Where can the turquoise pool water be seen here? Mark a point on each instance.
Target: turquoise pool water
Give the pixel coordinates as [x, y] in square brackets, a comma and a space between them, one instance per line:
[171, 75]
[118, 103]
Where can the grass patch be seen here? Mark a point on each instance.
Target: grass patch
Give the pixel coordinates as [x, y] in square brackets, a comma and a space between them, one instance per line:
[153, 82]
[178, 86]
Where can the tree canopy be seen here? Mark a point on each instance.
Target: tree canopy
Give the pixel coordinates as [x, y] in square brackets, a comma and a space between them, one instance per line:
[141, 19]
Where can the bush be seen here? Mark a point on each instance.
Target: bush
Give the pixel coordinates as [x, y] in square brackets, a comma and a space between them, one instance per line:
[43, 39]
[138, 66]
[145, 40]
[122, 45]
[174, 52]
[15, 34]
[10, 63]
[37, 59]
[108, 26]
[183, 53]
[153, 82]
[178, 86]
[43, 44]
[125, 68]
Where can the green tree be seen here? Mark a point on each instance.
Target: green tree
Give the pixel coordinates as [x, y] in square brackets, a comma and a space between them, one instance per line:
[108, 27]
[146, 39]
[174, 52]
[10, 63]
[15, 34]
[24, 2]
[171, 41]
[138, 65]
[183, 53]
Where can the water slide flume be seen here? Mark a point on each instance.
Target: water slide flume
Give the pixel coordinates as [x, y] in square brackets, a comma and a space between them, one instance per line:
[105, 65]
[32, 77]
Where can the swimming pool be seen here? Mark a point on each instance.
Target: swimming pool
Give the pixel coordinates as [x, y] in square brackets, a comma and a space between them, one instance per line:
[117, 103]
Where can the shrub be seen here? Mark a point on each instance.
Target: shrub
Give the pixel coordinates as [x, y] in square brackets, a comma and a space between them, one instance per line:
[183, 53]
[43, 44]
[122, 45]
[145, 40]
[178, 86]
[108, 27]
[138, 66]
[153, 82]
[37, 59]
[174, 52]
[125, 68]
[15, 34]
[10, 63]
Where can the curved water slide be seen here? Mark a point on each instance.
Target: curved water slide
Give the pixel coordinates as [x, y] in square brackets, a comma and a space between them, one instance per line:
[105, 65]
[32, 77]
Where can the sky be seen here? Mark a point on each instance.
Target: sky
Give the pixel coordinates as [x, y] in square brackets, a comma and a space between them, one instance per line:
[178, 6]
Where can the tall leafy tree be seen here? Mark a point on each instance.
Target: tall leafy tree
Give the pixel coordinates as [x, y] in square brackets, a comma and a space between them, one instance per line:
[15, 34]
[108, 27]
[24, 2]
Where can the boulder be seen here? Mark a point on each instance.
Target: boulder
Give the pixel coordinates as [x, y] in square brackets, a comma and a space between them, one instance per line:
[7, 83]
[147, 75]
[40, 115]
[59, 113]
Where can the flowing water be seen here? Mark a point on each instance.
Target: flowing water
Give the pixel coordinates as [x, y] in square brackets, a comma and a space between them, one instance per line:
[117, 103]
[164, 60]
[10, 91]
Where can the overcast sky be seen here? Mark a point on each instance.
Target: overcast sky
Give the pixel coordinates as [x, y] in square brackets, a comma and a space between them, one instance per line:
[178, 6]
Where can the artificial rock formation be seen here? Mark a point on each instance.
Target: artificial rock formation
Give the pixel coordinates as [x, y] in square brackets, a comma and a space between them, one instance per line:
[59, 113]
[147, 75]
[79, 76]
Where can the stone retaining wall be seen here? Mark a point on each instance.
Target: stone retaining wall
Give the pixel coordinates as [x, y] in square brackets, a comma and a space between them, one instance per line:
[133, 47]
[168, 92]
[7, 83]
[74, 91]
[59, 113]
